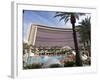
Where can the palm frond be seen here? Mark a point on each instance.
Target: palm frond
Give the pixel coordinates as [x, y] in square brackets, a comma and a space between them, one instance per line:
[76, 16]
[66, 15]
[59, 14]
[63, 17]
[66, 19]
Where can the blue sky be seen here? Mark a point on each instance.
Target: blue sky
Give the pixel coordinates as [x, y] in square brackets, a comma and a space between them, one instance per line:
[43, 18]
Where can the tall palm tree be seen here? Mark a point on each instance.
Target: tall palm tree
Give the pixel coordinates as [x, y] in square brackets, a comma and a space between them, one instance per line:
[72, 17]
[85, 33]
[84, 29]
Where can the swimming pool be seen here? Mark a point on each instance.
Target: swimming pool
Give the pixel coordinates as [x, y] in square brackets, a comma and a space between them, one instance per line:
[42, 59]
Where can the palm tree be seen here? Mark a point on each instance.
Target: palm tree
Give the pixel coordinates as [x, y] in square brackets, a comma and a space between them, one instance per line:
[84, 29]
[72, 17]
[85, 33]
[26, 46]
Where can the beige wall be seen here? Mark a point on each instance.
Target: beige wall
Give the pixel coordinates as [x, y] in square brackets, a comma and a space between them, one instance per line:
[32, 34]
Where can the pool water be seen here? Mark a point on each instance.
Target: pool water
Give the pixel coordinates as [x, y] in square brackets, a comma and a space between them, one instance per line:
[42, 59]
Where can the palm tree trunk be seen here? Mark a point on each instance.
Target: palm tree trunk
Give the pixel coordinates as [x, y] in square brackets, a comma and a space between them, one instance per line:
[78, 59]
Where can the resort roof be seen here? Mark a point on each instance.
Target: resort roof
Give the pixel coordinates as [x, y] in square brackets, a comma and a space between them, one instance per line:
[52, 27]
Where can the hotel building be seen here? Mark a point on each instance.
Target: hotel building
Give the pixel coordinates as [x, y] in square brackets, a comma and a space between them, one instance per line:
[40, 35]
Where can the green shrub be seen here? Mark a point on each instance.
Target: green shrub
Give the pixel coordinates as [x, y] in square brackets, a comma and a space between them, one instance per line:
[33, 66]
[55, 65]
[69, 64]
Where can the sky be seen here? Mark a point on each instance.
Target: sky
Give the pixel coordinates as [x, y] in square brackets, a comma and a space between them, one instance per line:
[44, 18]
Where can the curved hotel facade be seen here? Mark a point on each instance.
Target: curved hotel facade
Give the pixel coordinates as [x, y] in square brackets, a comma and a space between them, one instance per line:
[40, 35]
